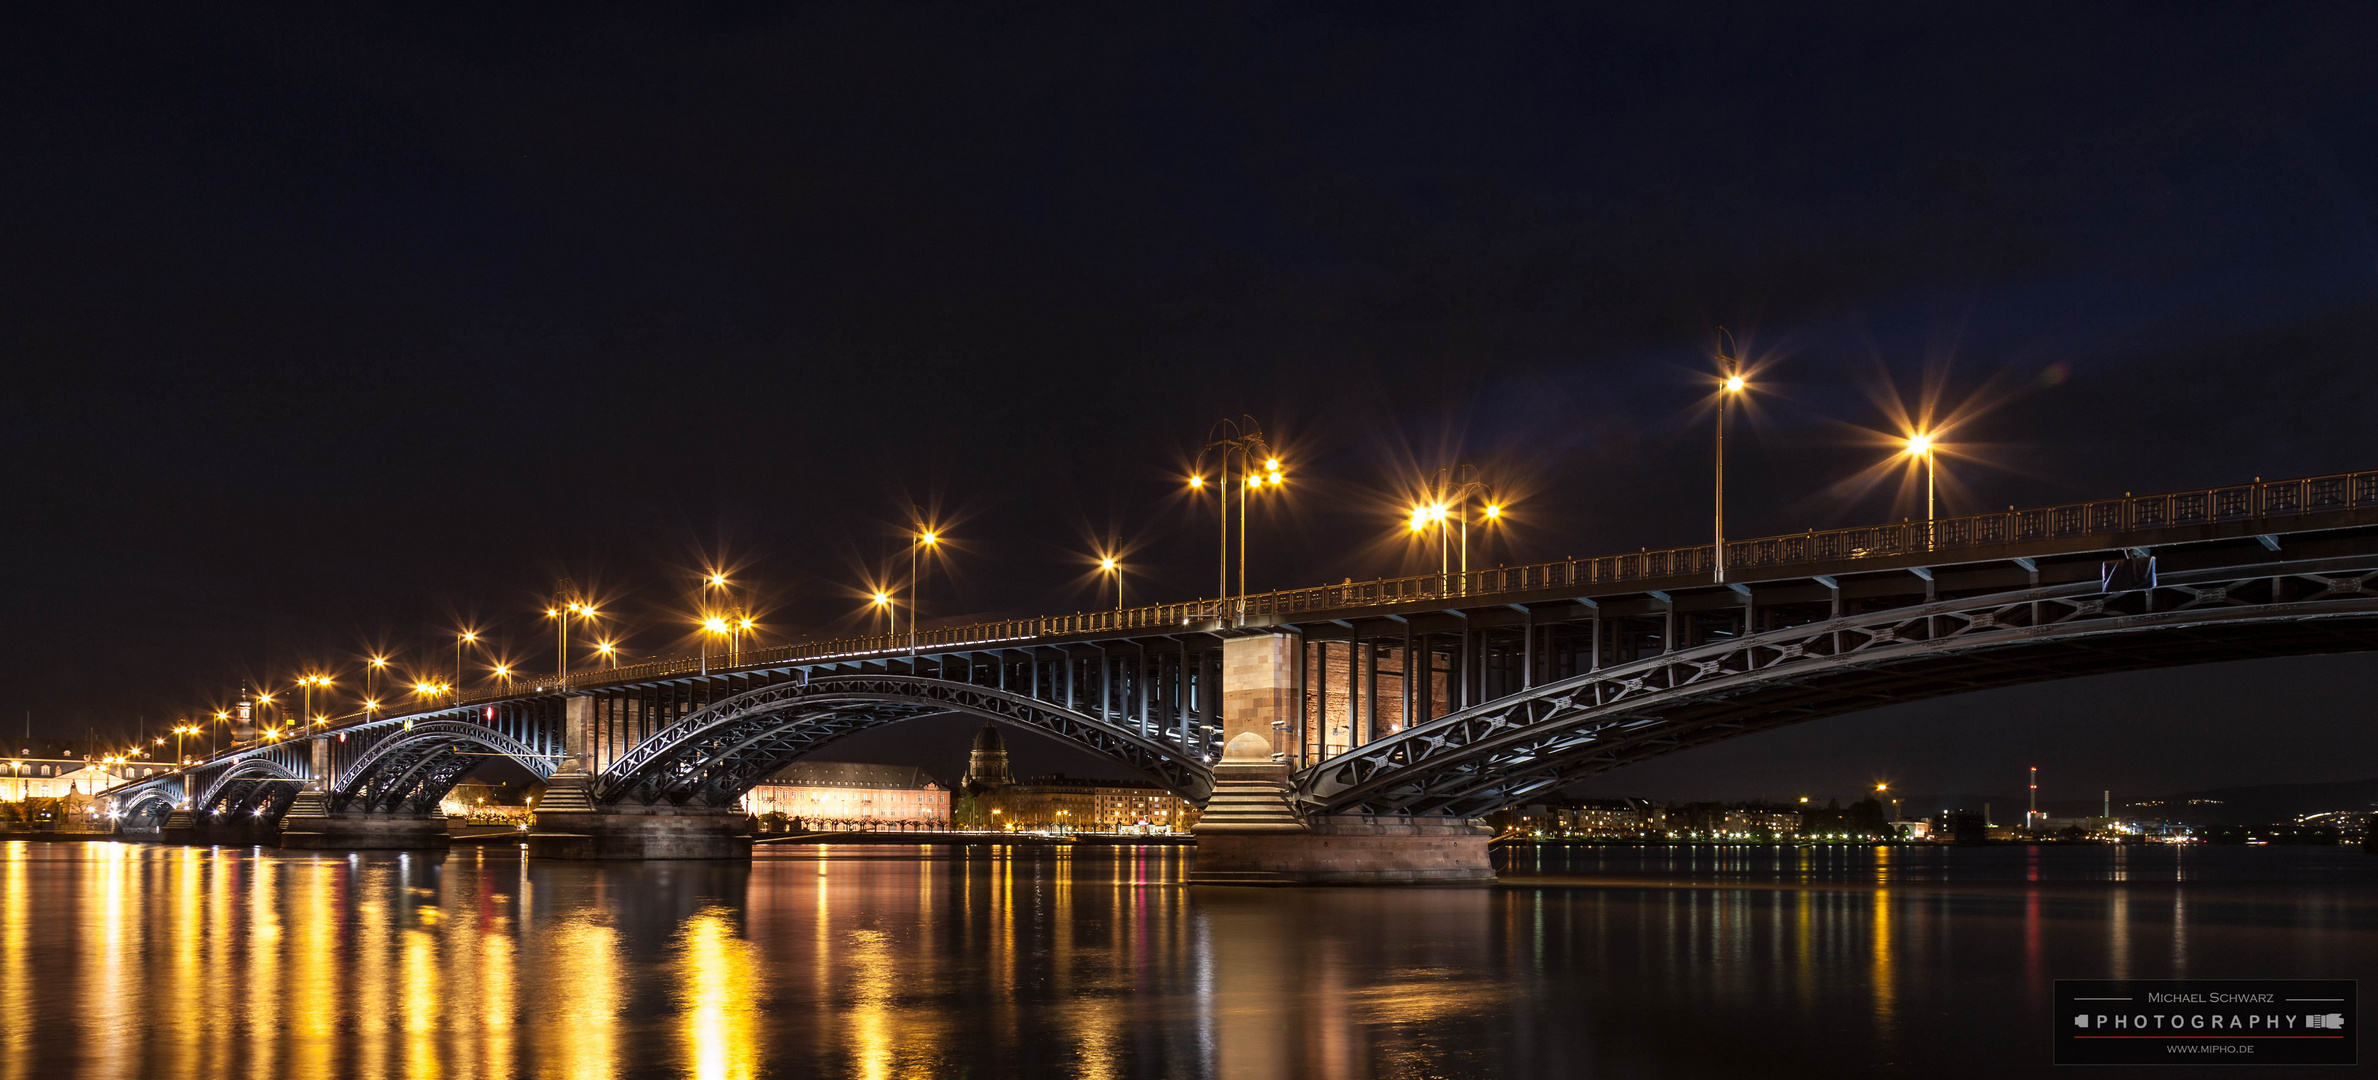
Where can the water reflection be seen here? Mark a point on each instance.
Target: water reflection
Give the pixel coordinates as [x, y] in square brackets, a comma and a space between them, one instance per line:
[719, 987]
[912, 962]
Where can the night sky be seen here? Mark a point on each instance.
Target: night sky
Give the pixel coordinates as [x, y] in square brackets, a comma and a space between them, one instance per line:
[326, 331]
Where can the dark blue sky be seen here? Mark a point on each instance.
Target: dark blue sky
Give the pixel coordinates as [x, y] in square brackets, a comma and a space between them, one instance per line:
[329, 326]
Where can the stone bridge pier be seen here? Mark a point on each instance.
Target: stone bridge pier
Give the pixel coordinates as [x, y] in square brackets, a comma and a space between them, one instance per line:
[311, 824]
[1251, 834]
[570, 824]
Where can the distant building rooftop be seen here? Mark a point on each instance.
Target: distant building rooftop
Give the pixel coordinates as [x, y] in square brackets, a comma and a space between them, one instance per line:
[852, 774]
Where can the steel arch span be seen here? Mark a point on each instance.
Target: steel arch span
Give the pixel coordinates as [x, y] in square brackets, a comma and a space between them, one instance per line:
[412, 771]
[237, 788]
[1528, 744]
[149, 807]
[714, 755]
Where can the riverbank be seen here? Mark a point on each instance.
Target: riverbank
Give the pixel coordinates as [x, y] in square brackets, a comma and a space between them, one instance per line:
[980, 838]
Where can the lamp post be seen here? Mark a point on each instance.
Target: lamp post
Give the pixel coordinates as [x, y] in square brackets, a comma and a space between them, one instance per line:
[1242, 438]
[466, 636]
[1923, 445]
[712, 626]
[371, 676]
[561, 616]
[1729, 385]
[925, 538]
[1107, 564]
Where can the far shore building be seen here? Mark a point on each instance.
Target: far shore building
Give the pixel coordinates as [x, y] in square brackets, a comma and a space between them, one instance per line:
[1061, 803]
[994, 799]
[849, 796]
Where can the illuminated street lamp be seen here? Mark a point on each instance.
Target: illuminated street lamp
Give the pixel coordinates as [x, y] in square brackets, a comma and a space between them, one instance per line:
[1108, 565]
[561, 615]
[1728, 385]
[925, 538]
[371, 676]
[1452, 492]
[609, 653]
[466, 636]
[1925, 446]
[712, 626]
[1242, 438]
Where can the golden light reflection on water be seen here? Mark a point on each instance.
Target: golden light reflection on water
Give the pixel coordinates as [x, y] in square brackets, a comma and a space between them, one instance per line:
[126, 961]
[719, 999]
[314, 949]
[16, 969]
[581, 979]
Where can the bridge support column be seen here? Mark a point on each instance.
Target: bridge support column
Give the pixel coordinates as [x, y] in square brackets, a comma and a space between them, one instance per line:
[181, 826]
[1260, 685]
[569, 825]
[310, 826]
[1250, 835]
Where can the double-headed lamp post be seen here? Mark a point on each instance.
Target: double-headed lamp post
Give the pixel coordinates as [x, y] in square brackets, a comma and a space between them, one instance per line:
[1454, 491]
[561, 617]
[1246, 441]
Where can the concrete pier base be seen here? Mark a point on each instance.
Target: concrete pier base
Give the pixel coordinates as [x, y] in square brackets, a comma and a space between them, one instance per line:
[1250, 835]
[181, 827]
[364, 832]
[1350, 849]
[640, 833]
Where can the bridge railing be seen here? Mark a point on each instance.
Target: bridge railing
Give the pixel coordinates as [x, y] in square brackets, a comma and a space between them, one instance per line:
[2277, 499]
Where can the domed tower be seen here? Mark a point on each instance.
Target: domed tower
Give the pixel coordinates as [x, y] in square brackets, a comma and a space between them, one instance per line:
[986, 768]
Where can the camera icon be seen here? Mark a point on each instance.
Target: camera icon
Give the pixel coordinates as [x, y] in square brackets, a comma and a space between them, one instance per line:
[2332, 1021]
[2081, 1020]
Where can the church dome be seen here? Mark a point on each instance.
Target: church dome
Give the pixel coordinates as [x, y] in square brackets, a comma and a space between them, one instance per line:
[987, 740]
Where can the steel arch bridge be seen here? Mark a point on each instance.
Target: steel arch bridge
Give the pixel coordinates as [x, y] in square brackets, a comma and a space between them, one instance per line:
[716, 754]
[1525, 745]
[1431, 695]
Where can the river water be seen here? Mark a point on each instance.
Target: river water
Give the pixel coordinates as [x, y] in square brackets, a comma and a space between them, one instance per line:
[124, 960]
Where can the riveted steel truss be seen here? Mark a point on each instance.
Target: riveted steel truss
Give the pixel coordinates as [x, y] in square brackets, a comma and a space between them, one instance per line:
[410, 771]
[148, 808]
[711, 757]
[1525, 745]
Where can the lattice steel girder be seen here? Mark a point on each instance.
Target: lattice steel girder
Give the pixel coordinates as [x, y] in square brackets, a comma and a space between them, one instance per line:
[245, 771]
[412, 770]
[712, 756]
[1513, 748]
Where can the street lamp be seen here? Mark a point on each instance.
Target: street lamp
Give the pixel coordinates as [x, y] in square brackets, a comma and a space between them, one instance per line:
[609, 653]
[1107, 564]
[1246, 441]
[1452, 491]
[1924, 445]
[466, 636]
[712, 626]
[1731, 384]
[561, 617]
[916, 585]
[371, 676]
